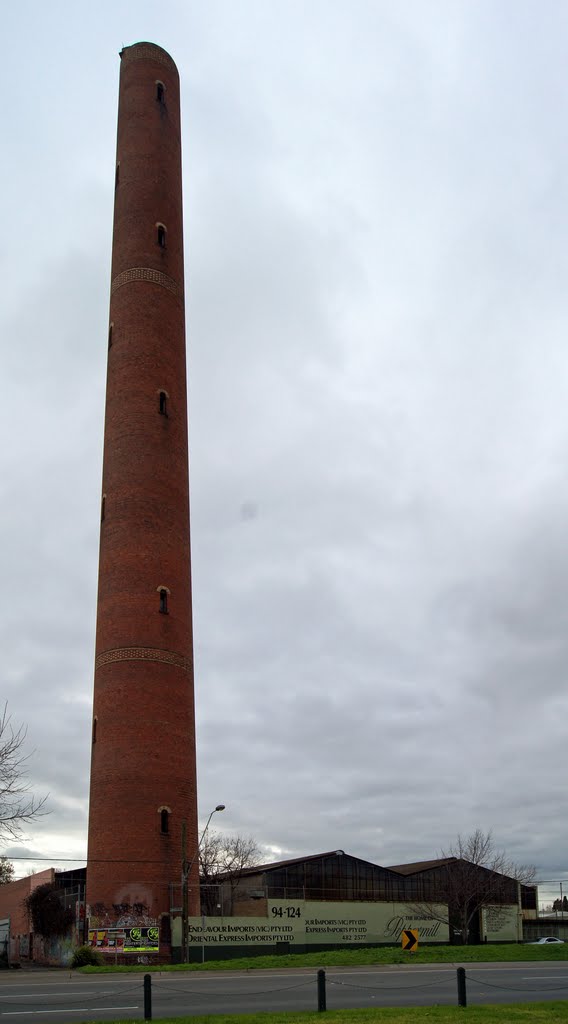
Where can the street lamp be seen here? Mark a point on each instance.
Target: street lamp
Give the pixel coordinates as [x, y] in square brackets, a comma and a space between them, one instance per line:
[219, 807]
[186, 872]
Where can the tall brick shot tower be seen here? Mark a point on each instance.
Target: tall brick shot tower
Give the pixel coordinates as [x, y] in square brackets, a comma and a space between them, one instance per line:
[143, 809]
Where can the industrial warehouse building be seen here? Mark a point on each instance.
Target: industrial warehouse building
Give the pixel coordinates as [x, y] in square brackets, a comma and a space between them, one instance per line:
[333, 899]
[307, 903]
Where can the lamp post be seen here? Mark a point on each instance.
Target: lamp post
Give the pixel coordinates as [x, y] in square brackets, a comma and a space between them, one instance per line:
[186, 872]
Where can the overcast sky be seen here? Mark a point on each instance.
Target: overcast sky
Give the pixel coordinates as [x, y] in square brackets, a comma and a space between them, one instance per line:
[376, 261]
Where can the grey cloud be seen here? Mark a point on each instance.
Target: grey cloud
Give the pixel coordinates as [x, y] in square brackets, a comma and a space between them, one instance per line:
[375, 211]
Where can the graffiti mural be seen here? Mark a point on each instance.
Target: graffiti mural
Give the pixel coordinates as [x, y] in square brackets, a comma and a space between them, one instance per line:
[121, 915]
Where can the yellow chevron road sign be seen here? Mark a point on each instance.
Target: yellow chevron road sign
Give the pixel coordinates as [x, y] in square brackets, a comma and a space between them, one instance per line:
[410, 939]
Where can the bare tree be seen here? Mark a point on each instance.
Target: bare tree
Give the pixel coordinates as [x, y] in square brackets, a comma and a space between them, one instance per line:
[472, 876]
[222, 860]
[17, 805]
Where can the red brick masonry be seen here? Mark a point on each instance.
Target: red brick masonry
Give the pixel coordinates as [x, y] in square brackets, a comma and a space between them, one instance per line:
[143, 750]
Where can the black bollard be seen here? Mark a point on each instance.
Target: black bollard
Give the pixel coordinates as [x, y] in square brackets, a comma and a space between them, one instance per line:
[462, 994]
[321, 991]
[147, 997]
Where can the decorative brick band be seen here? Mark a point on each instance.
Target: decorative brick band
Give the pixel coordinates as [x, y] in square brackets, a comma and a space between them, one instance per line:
[142, 654]
[146, 274]
[147, 51]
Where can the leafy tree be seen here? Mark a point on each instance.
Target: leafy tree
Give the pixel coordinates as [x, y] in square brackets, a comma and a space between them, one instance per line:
[17, 805]
[222, 860]
[473, 876]
[49, 915]
[6, 871]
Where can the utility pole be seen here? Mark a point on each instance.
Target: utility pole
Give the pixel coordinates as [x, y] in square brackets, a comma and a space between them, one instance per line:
[184, 892]
[186, 870]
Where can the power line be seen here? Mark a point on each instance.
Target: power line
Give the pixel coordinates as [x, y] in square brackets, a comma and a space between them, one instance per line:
[92, 860]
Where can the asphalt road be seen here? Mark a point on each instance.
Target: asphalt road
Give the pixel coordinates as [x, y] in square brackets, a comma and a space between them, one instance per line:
[58, 996]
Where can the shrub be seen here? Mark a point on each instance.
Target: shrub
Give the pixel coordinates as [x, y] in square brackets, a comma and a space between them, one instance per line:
[86, 955]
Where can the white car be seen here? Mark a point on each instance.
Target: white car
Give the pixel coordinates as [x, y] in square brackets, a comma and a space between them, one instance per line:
[546, 938]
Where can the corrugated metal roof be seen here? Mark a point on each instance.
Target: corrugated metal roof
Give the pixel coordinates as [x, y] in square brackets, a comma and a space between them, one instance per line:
[420, 865]
[274, 865]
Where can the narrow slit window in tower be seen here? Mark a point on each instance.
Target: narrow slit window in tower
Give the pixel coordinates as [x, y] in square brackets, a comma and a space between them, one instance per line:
[164, 601]
[160, 92]
[161, 236]
[163, 403]
[103, 503]
[110, 327]
[117, 174]
[95, 729]
[164, 822]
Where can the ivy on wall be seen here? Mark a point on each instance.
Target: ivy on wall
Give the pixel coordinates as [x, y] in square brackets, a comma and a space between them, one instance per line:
[49, 916]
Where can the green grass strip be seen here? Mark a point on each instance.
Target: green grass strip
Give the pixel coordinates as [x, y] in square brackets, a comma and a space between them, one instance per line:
[361, 958]
[523, 1013]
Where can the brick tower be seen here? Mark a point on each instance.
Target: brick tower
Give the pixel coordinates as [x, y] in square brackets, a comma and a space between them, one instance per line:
[143, 775]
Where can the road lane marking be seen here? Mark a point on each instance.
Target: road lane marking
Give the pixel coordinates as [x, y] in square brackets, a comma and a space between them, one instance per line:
[75, 1009]
[542, 977]
[46, 995]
